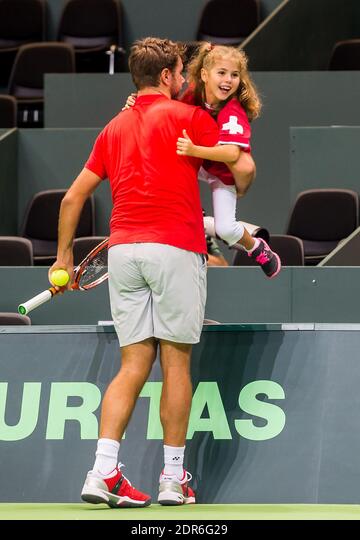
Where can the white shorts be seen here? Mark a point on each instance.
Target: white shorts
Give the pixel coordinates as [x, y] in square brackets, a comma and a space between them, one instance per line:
[156, 290]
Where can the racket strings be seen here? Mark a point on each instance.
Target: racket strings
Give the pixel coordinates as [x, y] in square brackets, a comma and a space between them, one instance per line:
[95, 270]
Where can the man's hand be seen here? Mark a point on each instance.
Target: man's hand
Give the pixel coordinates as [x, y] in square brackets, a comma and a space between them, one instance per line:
[217, 260]
[62, 265]
[185, 146]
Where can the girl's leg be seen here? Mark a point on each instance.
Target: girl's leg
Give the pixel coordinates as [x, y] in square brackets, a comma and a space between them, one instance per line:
[234, 233]
[226, 227]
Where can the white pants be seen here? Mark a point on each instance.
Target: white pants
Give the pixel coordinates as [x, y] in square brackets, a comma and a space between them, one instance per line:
[224, 205]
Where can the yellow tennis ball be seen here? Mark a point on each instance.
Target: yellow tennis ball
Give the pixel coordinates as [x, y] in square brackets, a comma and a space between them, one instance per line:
[59, 277]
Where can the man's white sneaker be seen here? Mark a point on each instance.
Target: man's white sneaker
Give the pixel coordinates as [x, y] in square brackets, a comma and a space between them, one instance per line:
[174, 492]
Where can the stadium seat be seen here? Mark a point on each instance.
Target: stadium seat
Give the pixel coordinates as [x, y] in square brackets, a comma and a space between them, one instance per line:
[289, 248]
[93, 27]
[83, 246]
[10, 319]
[40, 224]
[228, 22]
[21, 22]
[191, 49]
[8, 112]
[345, 55]
[321, 218]
[26, 81]
[15, 251]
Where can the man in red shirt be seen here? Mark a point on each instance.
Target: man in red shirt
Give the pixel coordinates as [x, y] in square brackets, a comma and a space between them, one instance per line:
[157, 266]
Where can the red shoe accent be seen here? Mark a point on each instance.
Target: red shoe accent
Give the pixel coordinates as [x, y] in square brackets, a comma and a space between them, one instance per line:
[120, 485]
[188, 492]
[115, 490]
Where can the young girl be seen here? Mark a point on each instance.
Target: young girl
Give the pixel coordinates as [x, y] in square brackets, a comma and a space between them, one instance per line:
[219, 82]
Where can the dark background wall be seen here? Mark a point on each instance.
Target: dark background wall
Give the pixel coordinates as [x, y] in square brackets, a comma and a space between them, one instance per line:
[8, 182]
[51, 159]
[293, 35]
[325, 157]
[33, 160]
[289, 99]
[300, 34]
[163, 18]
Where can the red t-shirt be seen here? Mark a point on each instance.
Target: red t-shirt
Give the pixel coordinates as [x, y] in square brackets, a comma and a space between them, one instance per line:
[234, 128]
[155, 192]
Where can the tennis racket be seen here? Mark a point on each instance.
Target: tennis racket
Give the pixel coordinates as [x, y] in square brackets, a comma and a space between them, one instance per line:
[92, 271]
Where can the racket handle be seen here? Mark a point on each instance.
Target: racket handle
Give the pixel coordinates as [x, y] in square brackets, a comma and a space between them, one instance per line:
[36, 301]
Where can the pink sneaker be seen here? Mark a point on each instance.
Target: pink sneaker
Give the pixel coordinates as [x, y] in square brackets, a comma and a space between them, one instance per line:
[115, 490]
[267, 259]
[173, 492]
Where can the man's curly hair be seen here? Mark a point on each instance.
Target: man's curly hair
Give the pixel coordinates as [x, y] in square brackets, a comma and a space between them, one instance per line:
[149, 56]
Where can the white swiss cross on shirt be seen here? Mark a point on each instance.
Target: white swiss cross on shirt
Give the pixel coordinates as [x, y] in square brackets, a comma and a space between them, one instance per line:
[232, 126]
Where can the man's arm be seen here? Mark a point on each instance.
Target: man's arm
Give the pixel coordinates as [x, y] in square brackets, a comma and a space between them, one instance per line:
[214, 255]
[70, 211]
[244, 172]
[240, 163]
[227, 153]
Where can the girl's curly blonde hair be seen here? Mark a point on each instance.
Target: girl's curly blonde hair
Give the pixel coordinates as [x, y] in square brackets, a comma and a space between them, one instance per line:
[206, 58]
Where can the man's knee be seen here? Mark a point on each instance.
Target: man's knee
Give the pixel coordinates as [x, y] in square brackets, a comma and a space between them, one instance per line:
[139, 356]
[175, 355]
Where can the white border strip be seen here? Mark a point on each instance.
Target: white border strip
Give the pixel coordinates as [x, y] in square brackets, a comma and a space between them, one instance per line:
[105, 327]
[298, 326]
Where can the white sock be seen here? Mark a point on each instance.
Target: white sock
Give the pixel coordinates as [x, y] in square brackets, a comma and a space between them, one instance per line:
[174, 459]
[106, 456]
[254, 246]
